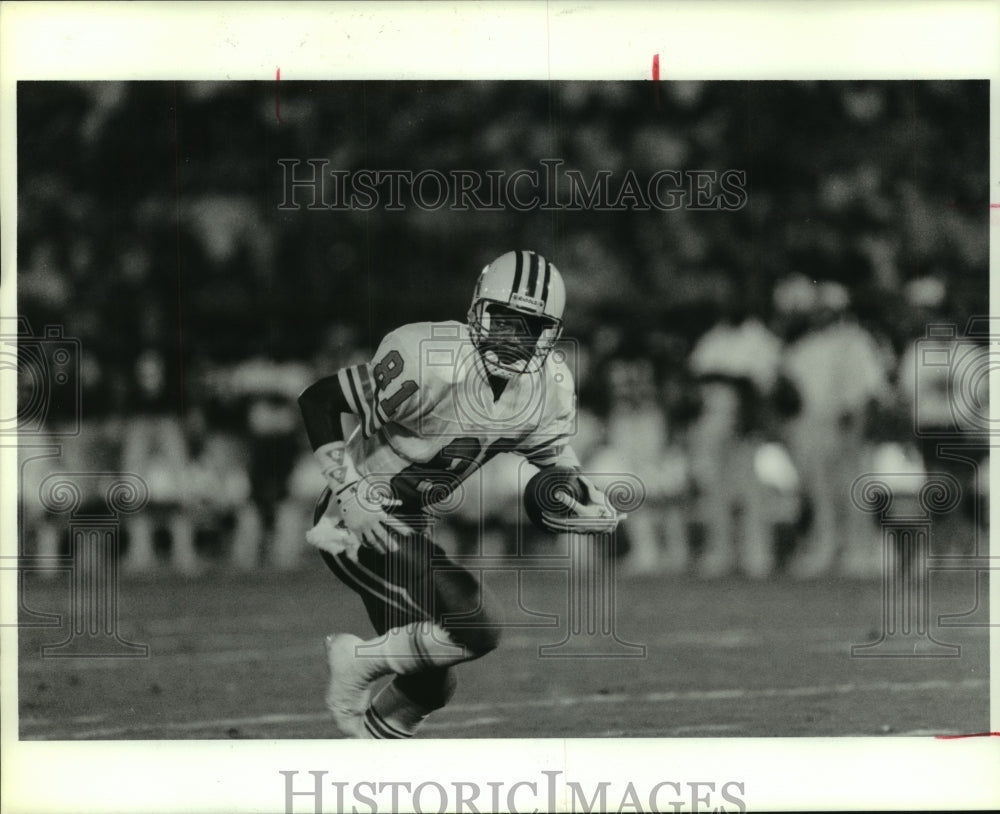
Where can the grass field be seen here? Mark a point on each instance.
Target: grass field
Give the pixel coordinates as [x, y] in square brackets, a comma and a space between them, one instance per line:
[236, 656]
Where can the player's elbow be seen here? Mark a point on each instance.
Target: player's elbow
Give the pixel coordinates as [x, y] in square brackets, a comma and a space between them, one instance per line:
[320, 404]
[320, 394]
[310, 396]
[305, 397]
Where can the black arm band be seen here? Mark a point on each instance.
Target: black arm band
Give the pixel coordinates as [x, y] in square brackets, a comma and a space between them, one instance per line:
[322, 404]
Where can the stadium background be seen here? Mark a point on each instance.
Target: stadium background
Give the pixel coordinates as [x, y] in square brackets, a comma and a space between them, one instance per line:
[149, 229]
[148, 212]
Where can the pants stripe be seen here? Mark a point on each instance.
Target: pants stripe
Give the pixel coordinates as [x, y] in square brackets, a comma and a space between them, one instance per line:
[401, 593]
[341, 561]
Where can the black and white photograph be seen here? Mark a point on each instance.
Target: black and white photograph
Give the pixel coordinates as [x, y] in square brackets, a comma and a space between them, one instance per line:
[610, 421]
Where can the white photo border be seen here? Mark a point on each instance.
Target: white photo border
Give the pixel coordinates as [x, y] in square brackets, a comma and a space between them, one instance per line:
[529, 40]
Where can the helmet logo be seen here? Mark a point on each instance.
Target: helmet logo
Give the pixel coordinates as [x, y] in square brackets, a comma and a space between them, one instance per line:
[534, 304]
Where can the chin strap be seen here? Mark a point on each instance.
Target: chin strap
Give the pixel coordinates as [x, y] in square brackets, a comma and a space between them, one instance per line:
[478, 321]
[494, 369]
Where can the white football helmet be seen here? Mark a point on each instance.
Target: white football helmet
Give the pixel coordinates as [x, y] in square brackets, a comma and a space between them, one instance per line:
[516, 313]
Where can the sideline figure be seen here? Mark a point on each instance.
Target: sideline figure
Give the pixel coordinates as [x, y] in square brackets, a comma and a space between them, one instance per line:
[437, 401]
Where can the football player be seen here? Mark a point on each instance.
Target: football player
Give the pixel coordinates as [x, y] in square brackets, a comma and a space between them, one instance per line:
[436, 402]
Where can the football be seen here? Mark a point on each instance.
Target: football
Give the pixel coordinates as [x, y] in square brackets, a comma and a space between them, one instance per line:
[541, 494]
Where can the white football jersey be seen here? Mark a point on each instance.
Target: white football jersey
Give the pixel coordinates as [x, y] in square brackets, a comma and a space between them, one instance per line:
[428, 417]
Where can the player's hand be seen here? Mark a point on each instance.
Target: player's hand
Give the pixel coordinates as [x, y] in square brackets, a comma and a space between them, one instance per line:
[593, 514]
[330, 534]
[369, 521]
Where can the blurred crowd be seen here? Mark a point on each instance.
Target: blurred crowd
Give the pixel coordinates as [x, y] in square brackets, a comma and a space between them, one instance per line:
[747, 445]
[746, 365]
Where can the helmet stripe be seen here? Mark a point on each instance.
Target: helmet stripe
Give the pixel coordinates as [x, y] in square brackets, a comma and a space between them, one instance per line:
[532, 275]
[545, 285]
[518, 268]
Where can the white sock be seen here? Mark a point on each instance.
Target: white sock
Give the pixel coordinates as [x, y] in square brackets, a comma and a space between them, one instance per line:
[408, 649]
[393, 715]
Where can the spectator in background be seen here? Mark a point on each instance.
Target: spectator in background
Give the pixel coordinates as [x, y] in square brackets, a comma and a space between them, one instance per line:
[839, 375]
[637, 443]
[943, 379]
[219, 485]
[154, 447]
[267, 391]
[292, 515]
[736, 367]
[41, 532]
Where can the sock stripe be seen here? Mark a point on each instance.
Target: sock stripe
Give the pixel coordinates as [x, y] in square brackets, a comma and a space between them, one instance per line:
[378, 726]
[373, 730]
[380, 720]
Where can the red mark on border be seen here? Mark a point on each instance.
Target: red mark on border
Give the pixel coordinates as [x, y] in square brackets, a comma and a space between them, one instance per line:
[972, 735]
[277, 95]
[967, 208]
[656, 79]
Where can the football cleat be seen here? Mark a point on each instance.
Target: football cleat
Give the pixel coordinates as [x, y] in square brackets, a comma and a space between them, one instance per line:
[349, 690]
[516, 314]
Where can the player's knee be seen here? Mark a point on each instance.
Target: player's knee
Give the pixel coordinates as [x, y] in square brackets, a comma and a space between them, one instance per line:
[477, 640]
[480, 634]
[475, 622]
